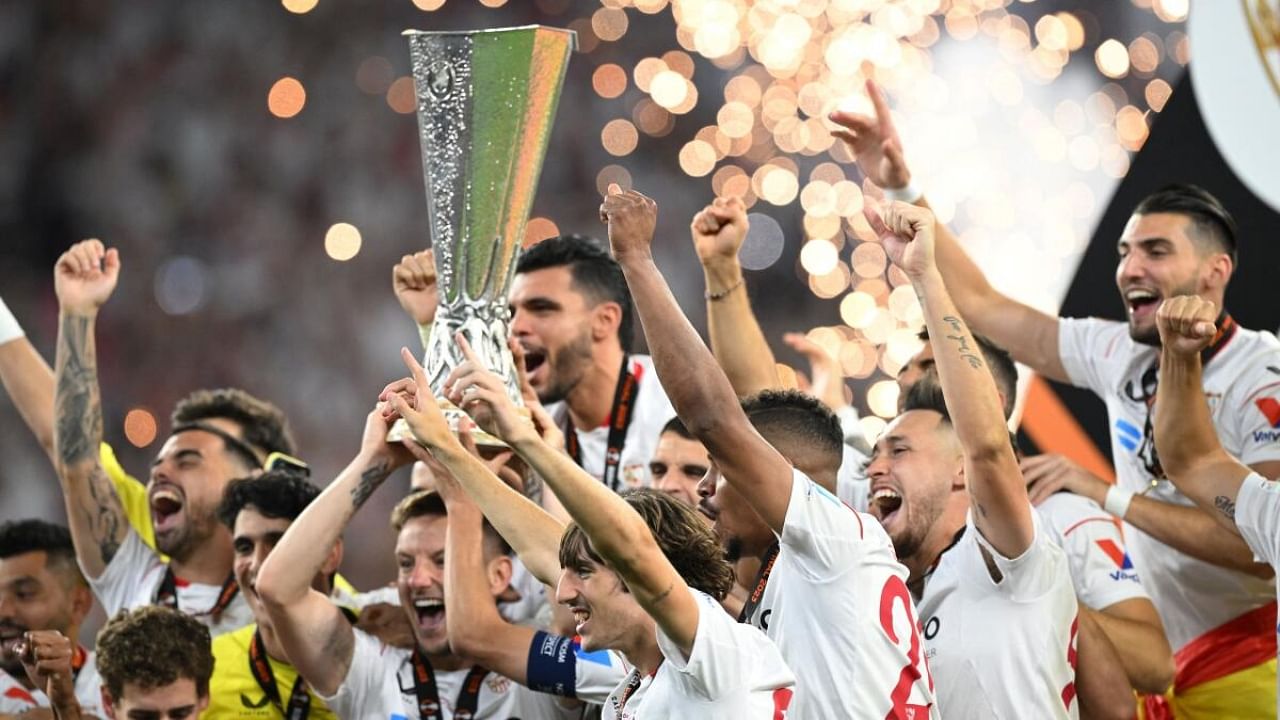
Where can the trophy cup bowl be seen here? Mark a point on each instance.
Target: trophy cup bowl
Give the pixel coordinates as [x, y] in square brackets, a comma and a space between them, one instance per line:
[486, 100]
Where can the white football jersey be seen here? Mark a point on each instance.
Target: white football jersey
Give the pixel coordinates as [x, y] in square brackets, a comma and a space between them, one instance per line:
[652, 411]
[380, 685]
[852, 485]
[558, 665]
[838, 607]
[1001, 649]
[16, 699]
[733, 672]
[1258, 517]
[1242, 386]
[134, 575]
[1101, 569]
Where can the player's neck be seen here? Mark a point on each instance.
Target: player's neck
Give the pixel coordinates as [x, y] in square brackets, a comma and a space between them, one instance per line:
[940, 537]
[643, 653]
[591, 399]
[447, 661]
[208, 564]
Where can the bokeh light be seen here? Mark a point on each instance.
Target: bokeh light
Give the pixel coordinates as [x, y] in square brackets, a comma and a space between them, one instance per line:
[140, 425]
[342, 241]
[181, 285]
[539, 229]
[609, 80]
[401, 97]
[298, 7]
[619, 137]
[286, 97]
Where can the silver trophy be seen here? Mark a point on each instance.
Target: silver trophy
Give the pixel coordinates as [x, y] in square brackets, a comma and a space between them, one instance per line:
[486, 100]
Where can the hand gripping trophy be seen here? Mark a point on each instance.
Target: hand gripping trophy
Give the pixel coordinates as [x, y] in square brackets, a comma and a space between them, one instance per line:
[486, 100]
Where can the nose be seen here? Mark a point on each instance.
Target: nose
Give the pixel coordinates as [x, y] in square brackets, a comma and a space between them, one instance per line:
[1130, 267]
[878, 466]
[7, 606]
[423, 576]
[519, 324]
[566, 588]
[707, 485]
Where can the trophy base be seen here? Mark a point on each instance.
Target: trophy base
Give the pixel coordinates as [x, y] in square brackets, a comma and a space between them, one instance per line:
[454, 415]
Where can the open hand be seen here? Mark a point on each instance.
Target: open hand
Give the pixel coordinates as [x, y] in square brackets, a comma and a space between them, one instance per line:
[874, 142]
[632, 218]
[85, 276]
[1187, 324]
[413, 280]
[906, 231]
[1050, 473]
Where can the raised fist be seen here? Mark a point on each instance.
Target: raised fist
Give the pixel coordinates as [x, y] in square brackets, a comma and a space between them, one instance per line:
[85, 276]
[719, 230]
[906, 231]
[1186, 324]
[632, 218]
[414, 281]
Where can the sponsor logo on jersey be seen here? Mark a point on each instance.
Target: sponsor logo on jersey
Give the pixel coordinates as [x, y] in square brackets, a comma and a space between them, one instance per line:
[1270, 409]
[1124, 566]
[245, 701]
[1127, 434]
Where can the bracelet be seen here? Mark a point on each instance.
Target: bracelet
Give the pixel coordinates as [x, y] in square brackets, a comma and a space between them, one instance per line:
[9, 327]
[908, 193]
[1117, 501]
[725, 292]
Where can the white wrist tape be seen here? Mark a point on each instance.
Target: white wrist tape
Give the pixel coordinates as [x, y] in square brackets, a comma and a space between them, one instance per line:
[1117, 501]
[907, 194]
[9, 327]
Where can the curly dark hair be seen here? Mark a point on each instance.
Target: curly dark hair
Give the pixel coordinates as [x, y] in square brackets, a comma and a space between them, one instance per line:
[279, 494]
[154, 646]
[690, 546]
[19, 537]
[595, 274]
[262, 424]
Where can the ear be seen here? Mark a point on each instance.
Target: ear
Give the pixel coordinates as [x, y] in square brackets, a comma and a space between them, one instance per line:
[108, 705]
[606, 319]
[202, 704]
[334, 560]
[499, 574]
[1217, 271]
[81, 603]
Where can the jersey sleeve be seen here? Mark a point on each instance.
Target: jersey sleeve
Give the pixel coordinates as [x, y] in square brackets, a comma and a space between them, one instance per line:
[1084, 346]
[132, 493]
[1258, 516]
[361, 693]
[726, 657]
[1030, 575]
[852, 486]
[124, 575]
[1102, 571]
[822, 532]
[558, 665]
[1252, 419]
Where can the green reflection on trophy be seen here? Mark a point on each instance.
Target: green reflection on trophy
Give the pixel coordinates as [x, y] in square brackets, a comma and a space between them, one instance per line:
[486, 100]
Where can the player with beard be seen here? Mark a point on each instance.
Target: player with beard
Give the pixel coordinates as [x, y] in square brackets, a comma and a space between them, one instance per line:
[42, 592]
[1215, 600]
[571, 315]
[353, 672]
[155, 664]
[187, 477]
[995, 595]
[833, 597]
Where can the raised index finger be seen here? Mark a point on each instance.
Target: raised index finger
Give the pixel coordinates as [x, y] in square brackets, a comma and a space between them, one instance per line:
[467, 351]
[882, 110]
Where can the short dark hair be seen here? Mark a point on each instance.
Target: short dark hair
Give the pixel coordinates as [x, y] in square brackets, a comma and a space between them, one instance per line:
[1208, 215]
[594, 271]
[681, 533]
[781, 415]
[262, 424]
[425, 503]
[677, 426]
[1003, 369]
[19, 537]
[154, 646]
[280, 494]
[928, 396]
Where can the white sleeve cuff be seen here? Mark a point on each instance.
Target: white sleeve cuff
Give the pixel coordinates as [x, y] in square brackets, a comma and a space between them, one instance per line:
[9, 327]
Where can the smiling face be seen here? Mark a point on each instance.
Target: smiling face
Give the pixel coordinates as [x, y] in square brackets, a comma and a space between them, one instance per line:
[1159, 260]
[35, 597]
[176, 701]
[553, 322]
[420, 579]
[253, 538]
[187, 481]
[607, 617]
[677, 467]
[914, 469]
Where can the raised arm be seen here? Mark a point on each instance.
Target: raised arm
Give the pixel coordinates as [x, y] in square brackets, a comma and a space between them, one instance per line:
[413, 280]
[84, 278]
[315, 634]
[1028, 334]
[616, 531]
[28, 379]
[736, 339]
[698, 390]
[1186, 441]
[997, 491]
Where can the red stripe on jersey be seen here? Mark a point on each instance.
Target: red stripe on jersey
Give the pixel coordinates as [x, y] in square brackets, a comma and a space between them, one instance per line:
[17, 693]
[1107, 519]
[1261, 390]
[1112, 550]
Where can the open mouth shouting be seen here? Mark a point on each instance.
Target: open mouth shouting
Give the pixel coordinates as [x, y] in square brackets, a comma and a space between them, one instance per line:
[534, 359]
[885, 505]
[1142, 303]
[429, 614]
[167, 502]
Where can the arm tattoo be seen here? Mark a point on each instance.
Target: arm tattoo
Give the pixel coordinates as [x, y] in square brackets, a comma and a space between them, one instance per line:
[1226, 506]
[104, 516]
[78, 407]
[962, 339]
[370, 479]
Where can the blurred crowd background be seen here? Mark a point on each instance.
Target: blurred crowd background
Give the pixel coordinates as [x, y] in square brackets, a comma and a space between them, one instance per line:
[257, 164]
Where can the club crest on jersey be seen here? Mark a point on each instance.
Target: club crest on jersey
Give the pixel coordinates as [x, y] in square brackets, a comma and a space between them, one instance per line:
[1124, 566]
[1270, 409]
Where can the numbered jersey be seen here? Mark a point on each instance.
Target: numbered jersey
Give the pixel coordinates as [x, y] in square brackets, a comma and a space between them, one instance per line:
[1001, 649]
[837, 606]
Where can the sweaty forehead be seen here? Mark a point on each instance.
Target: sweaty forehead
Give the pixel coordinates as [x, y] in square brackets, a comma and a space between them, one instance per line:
[914, 425]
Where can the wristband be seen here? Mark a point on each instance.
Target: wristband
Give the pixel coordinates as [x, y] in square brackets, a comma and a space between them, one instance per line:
[9, 327]
[1117, 501]
[908, 193]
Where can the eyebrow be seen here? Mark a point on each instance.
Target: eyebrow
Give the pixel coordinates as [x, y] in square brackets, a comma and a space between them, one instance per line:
[179, 455]
[1145, 243]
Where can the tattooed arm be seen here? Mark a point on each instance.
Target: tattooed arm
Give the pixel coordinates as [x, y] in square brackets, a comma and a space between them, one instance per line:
[84, 278]
[315, 634]
[997, 491]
